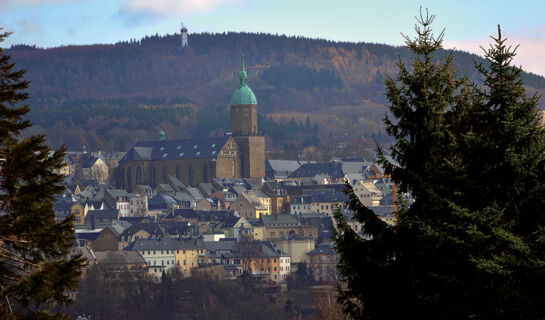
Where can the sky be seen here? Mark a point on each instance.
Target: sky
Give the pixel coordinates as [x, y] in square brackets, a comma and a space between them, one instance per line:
[468, 24]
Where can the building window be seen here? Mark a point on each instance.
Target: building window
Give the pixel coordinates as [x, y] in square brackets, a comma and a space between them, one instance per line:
[190, 174]
[153, 175]
[138, 175]
[129, 180]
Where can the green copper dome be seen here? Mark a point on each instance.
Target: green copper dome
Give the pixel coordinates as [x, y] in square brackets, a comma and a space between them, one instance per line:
[243, 94]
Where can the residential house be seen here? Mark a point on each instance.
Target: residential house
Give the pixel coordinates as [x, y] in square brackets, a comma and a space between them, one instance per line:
[323, 261]
[295, 246]
[109, 238]
[262, 259]
[280, 200]
[120, 261]
[326, 201]
[278, 226]
[368, 194]
[166, 253]
[129, 204]
[249, 206]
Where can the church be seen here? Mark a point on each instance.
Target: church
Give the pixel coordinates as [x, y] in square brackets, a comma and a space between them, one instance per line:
[240, 154]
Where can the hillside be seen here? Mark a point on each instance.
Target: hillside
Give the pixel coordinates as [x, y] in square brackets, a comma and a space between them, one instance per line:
[309, 91]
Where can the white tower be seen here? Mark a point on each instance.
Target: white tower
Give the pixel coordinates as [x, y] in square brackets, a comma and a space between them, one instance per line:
[183, 33]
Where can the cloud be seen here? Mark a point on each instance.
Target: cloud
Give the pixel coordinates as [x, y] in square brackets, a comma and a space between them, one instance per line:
[530, 51]
[174, 7]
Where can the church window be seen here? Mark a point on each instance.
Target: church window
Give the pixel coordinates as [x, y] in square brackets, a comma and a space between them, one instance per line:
[233, 167]
[190, 174]
[153, 175]
[129, 180]
[138, 175]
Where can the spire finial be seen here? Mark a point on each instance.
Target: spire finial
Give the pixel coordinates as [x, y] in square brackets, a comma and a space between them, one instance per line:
[242, 74]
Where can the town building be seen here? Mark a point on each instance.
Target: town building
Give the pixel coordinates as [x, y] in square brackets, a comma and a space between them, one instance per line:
[194, 161]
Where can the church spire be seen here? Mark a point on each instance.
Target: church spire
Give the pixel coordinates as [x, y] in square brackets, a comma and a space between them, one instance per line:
[242, 74]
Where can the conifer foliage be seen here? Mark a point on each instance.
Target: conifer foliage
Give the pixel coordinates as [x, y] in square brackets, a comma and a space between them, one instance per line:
[34, 271]
[472, 245]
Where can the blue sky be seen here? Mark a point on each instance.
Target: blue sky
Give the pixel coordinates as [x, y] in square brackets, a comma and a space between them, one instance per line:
[467, 24]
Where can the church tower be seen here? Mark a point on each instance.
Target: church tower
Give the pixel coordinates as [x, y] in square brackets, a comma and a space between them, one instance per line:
[244, 128]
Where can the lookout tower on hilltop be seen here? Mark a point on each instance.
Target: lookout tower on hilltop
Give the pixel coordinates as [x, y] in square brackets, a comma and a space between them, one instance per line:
[183, 36]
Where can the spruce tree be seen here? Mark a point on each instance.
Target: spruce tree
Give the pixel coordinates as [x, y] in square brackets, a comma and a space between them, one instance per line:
[472, 156]
[35, 270]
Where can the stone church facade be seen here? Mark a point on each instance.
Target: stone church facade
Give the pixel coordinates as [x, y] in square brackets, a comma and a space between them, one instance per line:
[193, 161]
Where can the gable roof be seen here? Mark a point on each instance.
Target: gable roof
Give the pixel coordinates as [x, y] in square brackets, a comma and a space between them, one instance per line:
[166, 243]
[274, 219]
[119, 257]
[175, 149]
[331, 169]
[150, 228]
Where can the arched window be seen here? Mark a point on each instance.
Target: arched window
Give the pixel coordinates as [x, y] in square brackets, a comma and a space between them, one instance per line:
[165, 174]
[138, 175]
[178, 176]
[152, 175]
[129, 180]
[204, 173]
[190, 174]
[233, 167]
[122, 178]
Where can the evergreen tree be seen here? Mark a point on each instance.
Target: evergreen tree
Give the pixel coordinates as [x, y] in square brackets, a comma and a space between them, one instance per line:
[34, 271]
[471, 245]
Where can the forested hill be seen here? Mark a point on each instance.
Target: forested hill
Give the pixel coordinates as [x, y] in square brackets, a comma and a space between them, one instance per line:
[109, 96]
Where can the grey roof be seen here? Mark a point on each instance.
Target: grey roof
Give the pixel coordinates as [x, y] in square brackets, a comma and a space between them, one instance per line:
[194, 192]
[167, 243]
[165, 187]
[280, 168]
[120, 193]
[119, 226]
[201, 215]
[355, 166]
[108, 213]
[324, 248]
[150, 228]
[88, 160]
[176, 183]
[207, 188]
[182, 196]
[332, 169]
[254, 183]
[329, 196]
[119, 257]
[175, 149]
[280, 219]
[161, 201]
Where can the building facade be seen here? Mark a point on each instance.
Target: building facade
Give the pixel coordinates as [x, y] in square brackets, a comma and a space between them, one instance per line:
[195, 161]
